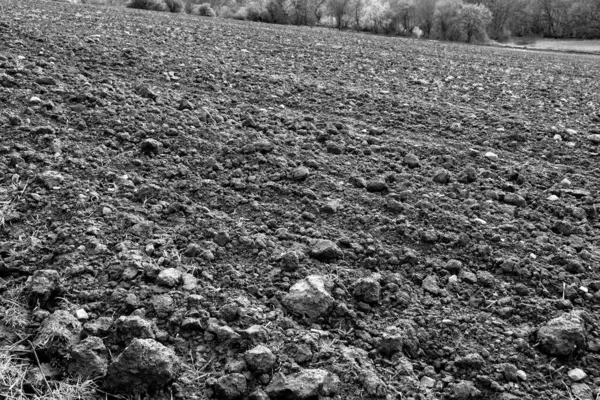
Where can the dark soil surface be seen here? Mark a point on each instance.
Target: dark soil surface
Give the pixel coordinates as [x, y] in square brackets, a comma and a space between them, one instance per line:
[190, 174]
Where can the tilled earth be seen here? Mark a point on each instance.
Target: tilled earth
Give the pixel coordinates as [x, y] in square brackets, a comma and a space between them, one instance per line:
[202, 208]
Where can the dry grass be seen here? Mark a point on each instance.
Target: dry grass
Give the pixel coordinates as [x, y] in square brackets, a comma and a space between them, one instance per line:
[13, 384]
[13, 311]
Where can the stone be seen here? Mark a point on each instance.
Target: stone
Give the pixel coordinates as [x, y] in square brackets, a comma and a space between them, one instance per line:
[465, 390]
[376, 185]
[81, 314]
[412, 161]
[562, 336]
[222, 238]
[185, 104]
[290, 261]
[515, 200]
[145, 365]
[263, 146]
[231, 387]
[326, 250]
[491, 156]
[146, 92]
[163, 305]
[367, 290]
[304, 385]
[300, 174]
[467, 175]
[99, 327]
[399, 338]
[430, 285]
[260, 359]
[58, 334]
[132, 327]
[89, 358]
[169, 277]
[43, 288]
[151, 146]
[255, 334]
[52, 179]
[577, 374]
[522, 375]
[582, 391]
[146, 192]
[442, 176]
[427, 382]
[470, 361]
[309, 297]
[510, 372]
[594, 138]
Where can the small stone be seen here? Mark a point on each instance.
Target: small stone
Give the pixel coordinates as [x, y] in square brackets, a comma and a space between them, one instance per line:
[376, 185]
[430, 285]
[231, 387]
[367, 290]
[522, 375]
[309, 297]
[427, 382]
[399, 338]
[565, 182]
[510, 372]
[81, 314]
[582, 391]
[185, 105]
[260, 359]
[146, 92]
[89, 358]
[290, 261]
[465, 390]
[411, 160]
[441, 176]
[222, 238]
[43, 287]
[300, 174]
[491, 156]
[515, 200]
[577, 374]
[594, 138]
[46, 80]
[304, 385]
[133, 326]
[99, 327]
[151, 146]
[263, 146]
[470, 361]
[169, 277]
[145, 365]
[563, 335]
[326, 250]
[468, 175]
[552, 197]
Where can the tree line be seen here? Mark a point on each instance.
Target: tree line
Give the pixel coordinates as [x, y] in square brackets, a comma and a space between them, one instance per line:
[460, 20]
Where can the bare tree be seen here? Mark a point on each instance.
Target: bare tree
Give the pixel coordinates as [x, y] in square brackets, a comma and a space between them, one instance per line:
[339, 10]
[425, 10]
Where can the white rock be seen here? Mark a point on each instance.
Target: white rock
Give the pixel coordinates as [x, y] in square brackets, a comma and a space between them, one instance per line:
[577, 374]
[557, 137]
[81, 314]
[427, 382]
[552, 197]
[492, 156]
[565, 182]
[571, 131]
[35, 100]
[522, 375]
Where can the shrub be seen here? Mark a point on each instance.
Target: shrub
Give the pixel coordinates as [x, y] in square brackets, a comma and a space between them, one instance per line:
[206, 10]
[474, 19]
[174, 6]
[152, 5]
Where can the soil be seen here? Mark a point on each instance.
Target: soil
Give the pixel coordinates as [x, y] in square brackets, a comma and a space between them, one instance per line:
[181, 177]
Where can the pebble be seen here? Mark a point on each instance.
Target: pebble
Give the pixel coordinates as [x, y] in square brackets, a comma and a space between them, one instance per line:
[491, 156]
[81, 314]
[522, 375]
[260, 359]
[300, 174]
[169, 277]
[577, 374]
[427, 382]
[412, 160]
[309, 297]
[594, 138]
[562, 336]
[376, 185]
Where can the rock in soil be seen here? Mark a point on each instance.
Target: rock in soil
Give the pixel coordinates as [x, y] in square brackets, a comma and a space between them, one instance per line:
[563, 335]
[145, 365]
[309, 297]
[304, 385]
